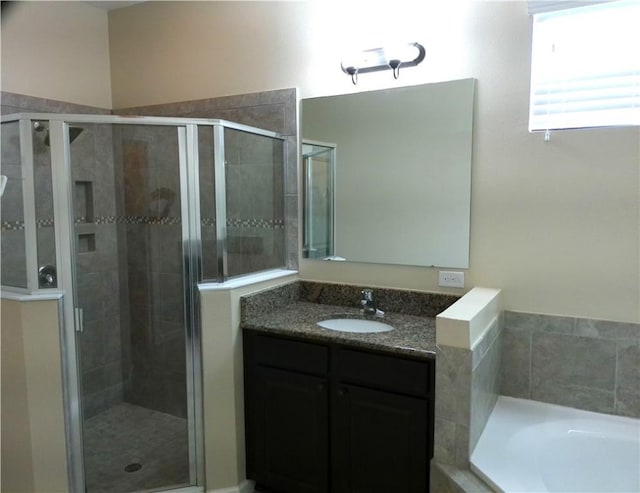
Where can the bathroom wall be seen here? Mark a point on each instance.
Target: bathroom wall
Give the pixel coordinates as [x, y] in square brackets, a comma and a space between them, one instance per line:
[577, 362]
[223, 381]
[56, 50]
[555, 224]
[33, 421]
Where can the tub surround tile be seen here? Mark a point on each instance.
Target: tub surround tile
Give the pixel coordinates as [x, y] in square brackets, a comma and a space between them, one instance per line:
[449, 479]
[485, 388]
[574, 361]
[467, 388]
[534, 322]
[576, 396]
[583, 363]
[602, 329]
[627, 403]
[628, 365]
[453, 380]
[627, 396]
[486, 342]
[516, 364]
[444, 446]
[462, 446]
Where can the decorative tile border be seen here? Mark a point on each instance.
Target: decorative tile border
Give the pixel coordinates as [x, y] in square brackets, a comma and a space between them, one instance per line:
[12, 226]
[277, 223]
[256, 223]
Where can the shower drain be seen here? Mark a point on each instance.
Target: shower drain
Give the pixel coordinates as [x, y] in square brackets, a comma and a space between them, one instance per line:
[133, 467]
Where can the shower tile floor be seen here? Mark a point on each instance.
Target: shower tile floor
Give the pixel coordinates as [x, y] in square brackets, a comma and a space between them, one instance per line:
[127, 434]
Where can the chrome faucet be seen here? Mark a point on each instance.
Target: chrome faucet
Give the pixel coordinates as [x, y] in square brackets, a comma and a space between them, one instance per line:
[368, 305]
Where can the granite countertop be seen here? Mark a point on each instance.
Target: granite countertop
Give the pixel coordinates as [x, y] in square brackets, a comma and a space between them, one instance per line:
[413, 335]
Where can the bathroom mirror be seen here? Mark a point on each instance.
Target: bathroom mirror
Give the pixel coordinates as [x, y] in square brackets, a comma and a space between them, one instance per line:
[398, 187]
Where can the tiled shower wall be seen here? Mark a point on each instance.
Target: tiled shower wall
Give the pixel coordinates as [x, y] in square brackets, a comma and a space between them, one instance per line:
[577, 362]
[151, 269]
[271, 110]
[97, 268]
[116, 356]
[13, 250]
[97, 265]
[12, 211]
[254, 202]
[245, 155]
[255, 227]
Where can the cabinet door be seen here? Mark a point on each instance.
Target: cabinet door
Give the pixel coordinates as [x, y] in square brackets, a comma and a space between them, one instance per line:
[379, 442]
[290, 428]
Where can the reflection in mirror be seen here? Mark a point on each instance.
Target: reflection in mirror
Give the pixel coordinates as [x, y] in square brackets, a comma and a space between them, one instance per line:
[402, 175]
[318, 171]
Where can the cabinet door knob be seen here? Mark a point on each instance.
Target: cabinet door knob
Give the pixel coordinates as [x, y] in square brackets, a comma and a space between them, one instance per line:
[320, 387]
[342, 391]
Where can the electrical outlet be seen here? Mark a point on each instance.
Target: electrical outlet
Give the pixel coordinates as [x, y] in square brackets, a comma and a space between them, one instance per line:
[451, 279]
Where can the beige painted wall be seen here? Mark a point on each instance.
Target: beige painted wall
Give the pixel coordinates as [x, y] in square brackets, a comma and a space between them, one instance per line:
[17, 464]
[554, 224]
[223, 383]
[33, 439]
[56, 50]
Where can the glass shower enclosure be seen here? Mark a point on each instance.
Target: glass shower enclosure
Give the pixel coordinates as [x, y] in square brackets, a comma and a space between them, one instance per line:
[318, 188]
[122, 217]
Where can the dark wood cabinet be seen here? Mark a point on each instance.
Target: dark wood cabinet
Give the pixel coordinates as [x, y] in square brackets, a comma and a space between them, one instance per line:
[290, 431]
[324, 418]
[378, 442]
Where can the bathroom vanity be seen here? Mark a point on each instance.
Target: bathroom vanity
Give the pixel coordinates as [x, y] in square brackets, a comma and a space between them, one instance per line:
[339, 412]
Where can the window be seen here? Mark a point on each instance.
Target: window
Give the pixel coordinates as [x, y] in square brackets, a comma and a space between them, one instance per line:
[585, 67]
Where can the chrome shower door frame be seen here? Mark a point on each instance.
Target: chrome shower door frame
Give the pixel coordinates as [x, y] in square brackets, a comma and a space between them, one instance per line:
[71, 323]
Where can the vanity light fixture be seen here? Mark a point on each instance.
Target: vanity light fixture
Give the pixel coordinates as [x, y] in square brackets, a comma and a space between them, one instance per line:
[373, 60]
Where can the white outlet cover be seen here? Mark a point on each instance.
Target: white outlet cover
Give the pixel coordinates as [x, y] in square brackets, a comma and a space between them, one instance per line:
[451, 279]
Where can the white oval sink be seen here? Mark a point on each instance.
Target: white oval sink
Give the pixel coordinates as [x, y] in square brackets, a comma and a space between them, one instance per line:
[354, 325]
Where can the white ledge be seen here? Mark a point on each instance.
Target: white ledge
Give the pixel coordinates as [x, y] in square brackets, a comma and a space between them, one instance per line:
[41, 296]
[465, 322]
[247, 280]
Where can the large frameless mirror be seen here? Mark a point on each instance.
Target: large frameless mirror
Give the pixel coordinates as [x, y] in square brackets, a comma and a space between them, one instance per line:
[402, 167]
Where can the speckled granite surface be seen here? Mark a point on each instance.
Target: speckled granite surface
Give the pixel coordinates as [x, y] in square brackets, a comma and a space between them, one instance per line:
[290, 310]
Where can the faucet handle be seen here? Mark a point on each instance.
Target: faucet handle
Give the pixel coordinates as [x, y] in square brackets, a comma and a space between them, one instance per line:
[367, 294]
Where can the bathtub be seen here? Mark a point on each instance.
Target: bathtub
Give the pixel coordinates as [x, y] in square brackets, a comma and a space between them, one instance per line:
[533, 447]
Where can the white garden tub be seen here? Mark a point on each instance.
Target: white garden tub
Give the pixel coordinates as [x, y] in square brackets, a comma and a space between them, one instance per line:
[532, 447]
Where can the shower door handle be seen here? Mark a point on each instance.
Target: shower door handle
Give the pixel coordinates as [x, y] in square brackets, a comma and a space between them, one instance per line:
[78, 319]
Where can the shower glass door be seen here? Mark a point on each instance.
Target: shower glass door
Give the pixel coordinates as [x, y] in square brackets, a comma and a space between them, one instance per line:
[131, 318]
[318, 165]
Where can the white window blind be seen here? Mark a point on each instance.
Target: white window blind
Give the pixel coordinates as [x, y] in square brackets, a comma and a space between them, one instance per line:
[585, 67]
